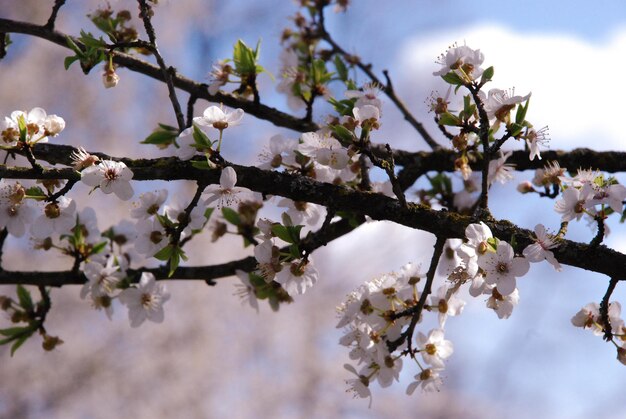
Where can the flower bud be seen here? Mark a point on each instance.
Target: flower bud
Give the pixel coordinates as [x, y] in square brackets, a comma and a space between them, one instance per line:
[525, 187]
[110, 78]
[53, 125]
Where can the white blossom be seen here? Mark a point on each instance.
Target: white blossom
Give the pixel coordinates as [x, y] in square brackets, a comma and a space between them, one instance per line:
[110, 176]
[149, 204]
[502, 268]
[145, 301]
[58, 217]
[540, 250]
[434, 348]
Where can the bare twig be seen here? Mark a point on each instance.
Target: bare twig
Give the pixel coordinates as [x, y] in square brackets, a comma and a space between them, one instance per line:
[53, 16]
[604, 309]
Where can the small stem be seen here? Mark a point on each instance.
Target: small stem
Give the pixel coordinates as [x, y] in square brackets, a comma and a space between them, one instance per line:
[600, 235]
[604, 309]
[169, 74]
[53, 16]
[416, 311]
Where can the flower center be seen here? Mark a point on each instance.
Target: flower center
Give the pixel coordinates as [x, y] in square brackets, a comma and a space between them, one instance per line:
[502, 268]
[156, 237]
[430, 349]
[52, 210]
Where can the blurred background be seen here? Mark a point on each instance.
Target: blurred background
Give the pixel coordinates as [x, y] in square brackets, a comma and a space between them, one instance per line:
[214, 357]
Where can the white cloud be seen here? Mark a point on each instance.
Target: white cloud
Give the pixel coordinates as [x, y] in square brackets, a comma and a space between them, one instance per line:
[578, 87]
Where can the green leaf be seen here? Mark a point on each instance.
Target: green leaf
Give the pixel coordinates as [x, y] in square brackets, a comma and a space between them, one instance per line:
[165, 253]
[99, 247]
[160, 137]
[294, 251]
[19, 342]
[200, 164]
[342, 70]
[208, 212]
[200, 138]
[12, 331]
[452, 78]
[487, 75]
[342, 107]
[35, 191]
[344, 135]
[282, 233]
[231, 216]
[24, 298]
[244, 58]
[449, 119]
[69, 61]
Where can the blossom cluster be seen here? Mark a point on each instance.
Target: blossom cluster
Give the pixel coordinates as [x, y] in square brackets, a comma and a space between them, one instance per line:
[376, 316]
[373, 321]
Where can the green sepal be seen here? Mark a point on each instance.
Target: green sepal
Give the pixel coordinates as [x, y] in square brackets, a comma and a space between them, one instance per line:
[515, 129]
[521, 112]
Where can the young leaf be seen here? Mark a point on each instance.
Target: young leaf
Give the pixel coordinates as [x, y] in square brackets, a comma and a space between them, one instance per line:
[24, 298]
[231, 216]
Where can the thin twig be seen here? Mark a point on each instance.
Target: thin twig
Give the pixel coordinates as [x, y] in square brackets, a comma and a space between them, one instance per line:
[167, 71]
[604, 310]
[53, 16]
[416, 311]
[387, 88]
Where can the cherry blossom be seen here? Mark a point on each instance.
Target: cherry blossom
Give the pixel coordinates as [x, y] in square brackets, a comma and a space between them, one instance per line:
[445, 305]
[83, 159]
[245, 290]
[297, 276]
[499, 103]
[58, 217]
[324, 149]
[151, 237]
[477, 246]
[589, 317]
[463, 60]
[145, 301]
[226, 193]
[502, 268]
[290, 77]
[15, 217]
[573, 202]
[110, 176]
[280, 152]
[534, 139]
[368, 96]
[102, 279]
[540, 250]
[149, 204]
[434, 348]
[499, 171]
[428, 379]
[503, 305]
[216, 117]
